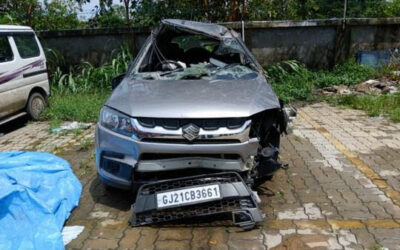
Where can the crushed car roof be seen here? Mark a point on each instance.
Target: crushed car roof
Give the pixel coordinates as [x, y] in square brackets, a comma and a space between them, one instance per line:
[202, 90]
[205, 28]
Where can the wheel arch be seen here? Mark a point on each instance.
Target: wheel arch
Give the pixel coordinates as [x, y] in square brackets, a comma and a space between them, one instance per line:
[39, 90]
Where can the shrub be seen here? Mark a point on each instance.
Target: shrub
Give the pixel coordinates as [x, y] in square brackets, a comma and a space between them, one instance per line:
[293, 81]
[374, 105]
[290, 80]
[348, 74]
[86, 77]
[79, 93]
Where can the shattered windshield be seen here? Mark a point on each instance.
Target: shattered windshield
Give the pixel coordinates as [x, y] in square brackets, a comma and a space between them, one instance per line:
[205, 71]
[178, 55]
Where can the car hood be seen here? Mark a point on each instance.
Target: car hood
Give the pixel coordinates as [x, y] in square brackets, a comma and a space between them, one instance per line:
[211, 29]
[193, 98]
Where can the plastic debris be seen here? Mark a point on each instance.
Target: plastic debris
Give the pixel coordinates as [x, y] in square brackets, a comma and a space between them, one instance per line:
[374, 58]
[71, 126]
[38, 192]
[70, 233]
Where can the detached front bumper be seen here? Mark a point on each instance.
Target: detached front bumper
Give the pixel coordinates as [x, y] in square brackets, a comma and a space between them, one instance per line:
[237, 201]
[118, 156]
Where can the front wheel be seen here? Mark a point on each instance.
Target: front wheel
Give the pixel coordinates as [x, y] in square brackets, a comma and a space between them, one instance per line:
[35, 106]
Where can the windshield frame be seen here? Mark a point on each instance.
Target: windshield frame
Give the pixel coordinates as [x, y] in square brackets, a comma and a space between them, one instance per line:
[147, 48]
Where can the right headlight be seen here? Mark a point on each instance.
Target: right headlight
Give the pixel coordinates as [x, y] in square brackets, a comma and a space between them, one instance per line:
[117, 122]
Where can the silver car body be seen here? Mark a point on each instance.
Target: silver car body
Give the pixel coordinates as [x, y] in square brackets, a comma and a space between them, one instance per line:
[161, 147]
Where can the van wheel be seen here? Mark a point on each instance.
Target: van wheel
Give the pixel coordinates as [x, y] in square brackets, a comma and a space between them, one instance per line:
[36, 105]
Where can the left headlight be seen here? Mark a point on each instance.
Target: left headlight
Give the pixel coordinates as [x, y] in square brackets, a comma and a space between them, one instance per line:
[117, 122]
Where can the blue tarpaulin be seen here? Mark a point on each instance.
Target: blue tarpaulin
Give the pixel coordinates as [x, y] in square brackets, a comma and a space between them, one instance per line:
[374, 58]
[37, 193]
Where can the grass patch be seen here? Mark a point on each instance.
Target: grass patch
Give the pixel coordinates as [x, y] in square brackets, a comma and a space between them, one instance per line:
[79, 92]
[86, 144]
[347, 74]
[374, 105]
[292, 81]
[79, 106]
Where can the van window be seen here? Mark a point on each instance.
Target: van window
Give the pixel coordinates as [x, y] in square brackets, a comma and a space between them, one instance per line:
[5, 50]
[27, 46]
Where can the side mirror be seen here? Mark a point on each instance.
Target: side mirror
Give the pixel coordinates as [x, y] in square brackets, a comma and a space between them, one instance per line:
[117, 80]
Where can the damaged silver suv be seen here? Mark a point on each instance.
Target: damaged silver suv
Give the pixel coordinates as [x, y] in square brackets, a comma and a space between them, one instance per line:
[192, 116]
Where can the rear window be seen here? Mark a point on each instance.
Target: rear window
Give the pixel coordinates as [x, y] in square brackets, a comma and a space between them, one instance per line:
[5, 50]
[27, 46]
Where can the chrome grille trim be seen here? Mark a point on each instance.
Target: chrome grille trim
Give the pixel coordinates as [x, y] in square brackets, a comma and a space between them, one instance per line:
[241, 134]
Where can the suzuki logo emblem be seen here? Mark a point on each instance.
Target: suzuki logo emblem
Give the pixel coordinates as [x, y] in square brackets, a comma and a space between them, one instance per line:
[190, 131]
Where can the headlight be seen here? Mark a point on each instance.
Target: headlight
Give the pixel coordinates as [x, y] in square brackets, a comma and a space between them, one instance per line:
[117, 122]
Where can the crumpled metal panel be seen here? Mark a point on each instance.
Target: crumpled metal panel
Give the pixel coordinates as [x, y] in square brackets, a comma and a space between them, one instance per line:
[237, 201]
[211, 29]
[218, 98]
[193, 98]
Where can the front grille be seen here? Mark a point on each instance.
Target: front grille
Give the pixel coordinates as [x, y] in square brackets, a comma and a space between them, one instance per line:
[206, 124]
[162, 156]
[236, 203]
[198, 141]
[187, 182]
[200, 210]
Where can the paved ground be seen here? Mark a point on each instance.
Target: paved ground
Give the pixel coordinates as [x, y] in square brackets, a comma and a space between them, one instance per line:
[342, 190]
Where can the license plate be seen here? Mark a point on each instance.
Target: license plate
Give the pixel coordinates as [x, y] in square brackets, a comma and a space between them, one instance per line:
[188, 195]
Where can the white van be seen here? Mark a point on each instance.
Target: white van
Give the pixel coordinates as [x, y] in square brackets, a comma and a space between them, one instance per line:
[24, 84]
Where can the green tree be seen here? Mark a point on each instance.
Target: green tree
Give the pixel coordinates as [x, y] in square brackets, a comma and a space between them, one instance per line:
[50, 15]
[58, 14]
[393, 9]
[355, 8]
[112, 16]
[20, 11]
[110, 12]
[149, 12]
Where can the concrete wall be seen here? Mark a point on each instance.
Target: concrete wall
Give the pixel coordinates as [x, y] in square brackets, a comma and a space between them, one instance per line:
[96, 46]
[317, 43]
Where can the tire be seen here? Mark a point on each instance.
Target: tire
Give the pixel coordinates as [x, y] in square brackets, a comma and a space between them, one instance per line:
[35, 106]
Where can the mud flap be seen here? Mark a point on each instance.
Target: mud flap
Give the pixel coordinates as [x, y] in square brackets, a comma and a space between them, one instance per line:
[236, 202]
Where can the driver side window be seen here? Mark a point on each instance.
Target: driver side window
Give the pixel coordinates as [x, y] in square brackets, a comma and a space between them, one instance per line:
[6, 53]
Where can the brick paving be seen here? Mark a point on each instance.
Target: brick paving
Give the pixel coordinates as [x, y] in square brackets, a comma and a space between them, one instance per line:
[340, 192]
[37, 137]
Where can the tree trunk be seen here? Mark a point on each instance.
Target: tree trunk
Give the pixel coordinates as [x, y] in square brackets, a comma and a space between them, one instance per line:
[127, 20]
[234, 10]
[29, 11]
[244, 9]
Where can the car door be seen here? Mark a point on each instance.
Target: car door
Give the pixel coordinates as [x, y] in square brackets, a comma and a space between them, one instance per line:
[8, 65]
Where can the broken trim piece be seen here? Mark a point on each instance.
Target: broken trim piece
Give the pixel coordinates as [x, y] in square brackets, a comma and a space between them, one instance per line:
[237, 201]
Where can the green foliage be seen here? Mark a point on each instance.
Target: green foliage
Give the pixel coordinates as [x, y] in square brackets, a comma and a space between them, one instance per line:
[348, 74]
[374, 105]
[293, 81]
[79, 93]
[108, 17]
[80, 106]
[62, 14]
[150, 12]
[86, 77]
[6, 18]
[290, 80]
[46, 15]
[58, 14]
[393, 9]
